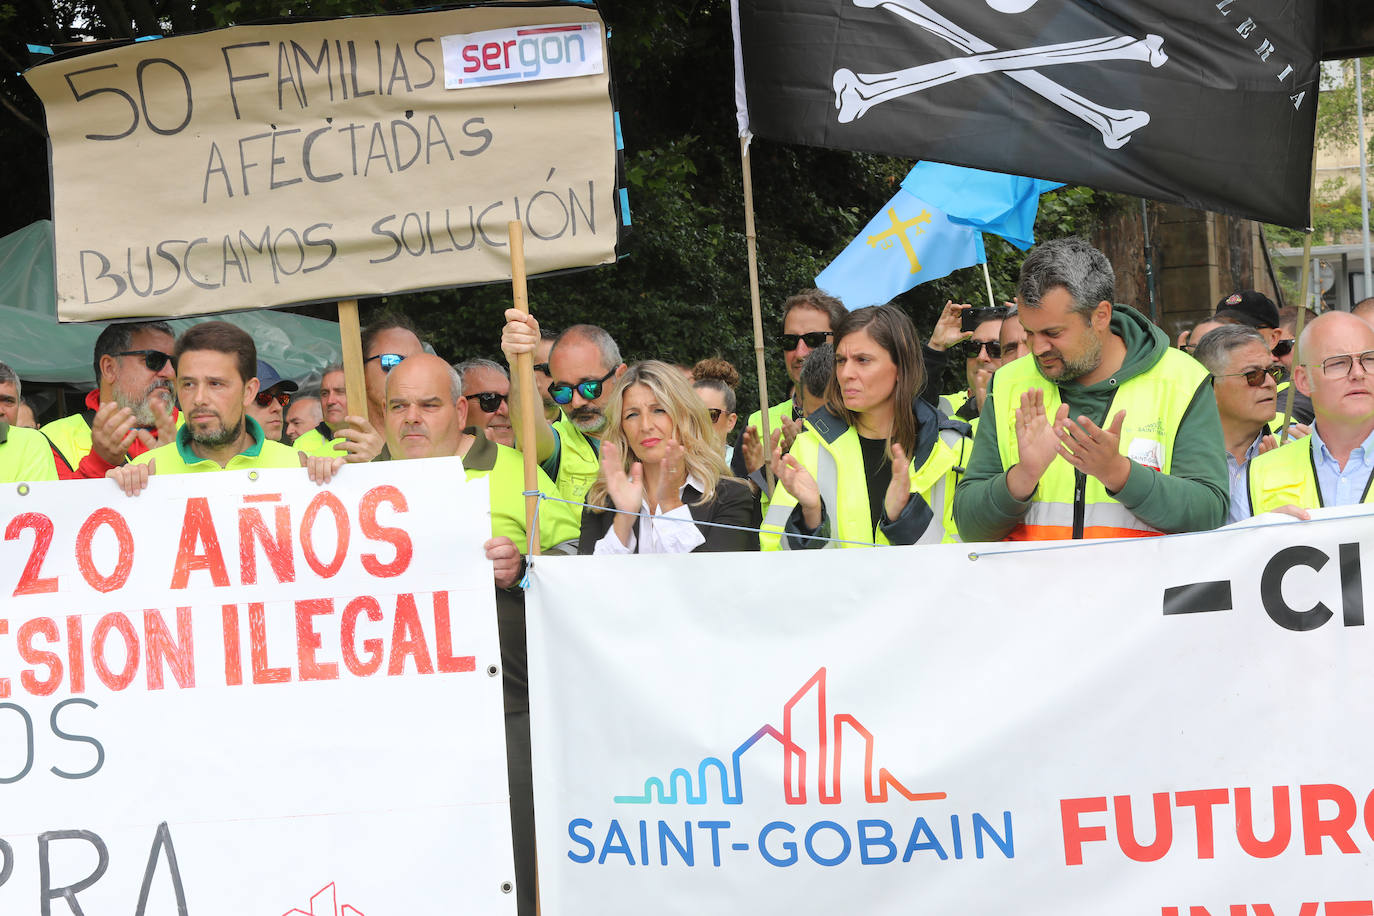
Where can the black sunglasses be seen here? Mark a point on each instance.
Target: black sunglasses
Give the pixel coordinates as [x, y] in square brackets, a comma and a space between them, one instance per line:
[813, 340]
[1255, 377]
[1283, 347]
[715, 413]
[389, 361]
[562, 392]
[153, 359]
[970, 348]
[489, 401]
[265, 398]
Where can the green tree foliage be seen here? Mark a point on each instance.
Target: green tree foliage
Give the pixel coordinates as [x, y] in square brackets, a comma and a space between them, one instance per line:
[680, 289]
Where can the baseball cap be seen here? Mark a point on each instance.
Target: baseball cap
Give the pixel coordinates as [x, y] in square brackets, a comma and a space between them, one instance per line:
[269, 379]
[1249, 307]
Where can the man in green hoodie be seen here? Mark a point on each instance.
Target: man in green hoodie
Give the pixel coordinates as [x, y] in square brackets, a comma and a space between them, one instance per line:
[1102, 430]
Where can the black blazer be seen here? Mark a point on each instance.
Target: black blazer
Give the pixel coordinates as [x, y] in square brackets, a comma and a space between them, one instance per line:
[734, 505]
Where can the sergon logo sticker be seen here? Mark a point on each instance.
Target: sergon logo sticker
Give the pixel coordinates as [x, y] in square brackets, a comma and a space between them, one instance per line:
[522, 54]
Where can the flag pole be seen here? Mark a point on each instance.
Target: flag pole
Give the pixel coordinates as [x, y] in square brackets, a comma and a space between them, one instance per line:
[1302, 302]
[987, 278]
[752, 247]
[524, 368]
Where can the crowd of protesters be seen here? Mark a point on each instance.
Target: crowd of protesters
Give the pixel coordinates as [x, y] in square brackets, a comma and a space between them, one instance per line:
[1079, 419]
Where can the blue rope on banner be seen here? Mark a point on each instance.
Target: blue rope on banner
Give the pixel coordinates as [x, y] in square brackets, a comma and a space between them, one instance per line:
[542, 496]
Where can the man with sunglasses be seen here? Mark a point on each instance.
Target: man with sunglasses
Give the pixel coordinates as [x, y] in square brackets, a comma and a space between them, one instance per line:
[1245, 382]
[386, 341]
[982, 355]
[584, 362]
[132, 408]
[269, 406]
[489, 401]
[1335, 465]
[808, 320]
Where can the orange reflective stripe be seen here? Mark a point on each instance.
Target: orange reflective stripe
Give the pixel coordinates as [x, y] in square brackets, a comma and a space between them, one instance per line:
[1062, 533]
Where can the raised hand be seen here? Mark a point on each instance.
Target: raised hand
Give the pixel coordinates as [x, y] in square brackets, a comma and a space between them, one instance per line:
[791, 429]
[672, 475]
[112, 432]
[981, 377]
[1037, 443]
[899, 490]
[753, 449]
[798, 481]
[1093, 450]
[947, 332]
[520, 335]
[625, 490]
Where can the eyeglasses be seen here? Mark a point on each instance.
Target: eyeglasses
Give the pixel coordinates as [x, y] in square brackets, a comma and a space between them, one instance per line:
[542, 367]
[812, 340]
[489, 401]
[153, 359]
[971, 348]
[562, 392]
[1283, 347]
[1255, 377]
[265, 398]
[715, 413]
[389, 361]
[1340, 366]
[1189, 348]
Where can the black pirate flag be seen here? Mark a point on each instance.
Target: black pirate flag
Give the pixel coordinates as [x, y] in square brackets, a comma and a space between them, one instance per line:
[1209, 103]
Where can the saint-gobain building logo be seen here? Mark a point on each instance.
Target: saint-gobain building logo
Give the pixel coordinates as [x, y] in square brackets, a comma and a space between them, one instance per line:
[522, 54]
[813, 741]
[806, 722]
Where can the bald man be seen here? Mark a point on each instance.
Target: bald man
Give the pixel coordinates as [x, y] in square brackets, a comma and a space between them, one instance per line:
[426, 414]
[1364, 309]
[1334, 466]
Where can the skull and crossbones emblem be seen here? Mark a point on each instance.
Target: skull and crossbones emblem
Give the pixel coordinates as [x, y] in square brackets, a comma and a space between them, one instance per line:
[856, 93]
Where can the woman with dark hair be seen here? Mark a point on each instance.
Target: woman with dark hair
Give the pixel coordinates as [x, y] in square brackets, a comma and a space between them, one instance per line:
[877, 465]
[662, 468]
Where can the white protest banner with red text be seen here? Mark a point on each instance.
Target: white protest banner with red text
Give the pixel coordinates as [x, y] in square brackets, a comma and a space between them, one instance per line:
[264, 165]
[1173, 726]
[240, 691]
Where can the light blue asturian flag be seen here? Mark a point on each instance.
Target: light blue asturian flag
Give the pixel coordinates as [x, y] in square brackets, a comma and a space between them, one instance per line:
[909, 242]
[1003, 205]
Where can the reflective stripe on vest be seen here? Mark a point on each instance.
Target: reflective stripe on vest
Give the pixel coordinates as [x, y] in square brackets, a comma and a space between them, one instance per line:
[1067, 503]
[851, 521]
[1286, 476]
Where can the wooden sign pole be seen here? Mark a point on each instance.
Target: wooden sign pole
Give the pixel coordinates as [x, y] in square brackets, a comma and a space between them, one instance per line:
[350, 337]
[531, 410]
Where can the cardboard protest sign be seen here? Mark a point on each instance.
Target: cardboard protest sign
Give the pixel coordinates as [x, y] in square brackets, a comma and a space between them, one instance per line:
[266, 165]
[1170, 726]
[237, 697]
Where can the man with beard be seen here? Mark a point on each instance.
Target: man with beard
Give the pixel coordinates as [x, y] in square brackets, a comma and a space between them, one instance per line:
[584, 364]
[130, 411]
[1106, 432]
[215, 382]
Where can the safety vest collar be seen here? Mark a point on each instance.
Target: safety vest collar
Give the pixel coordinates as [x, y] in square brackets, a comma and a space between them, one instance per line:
[481, 455]
[4, 432]
[189, 457]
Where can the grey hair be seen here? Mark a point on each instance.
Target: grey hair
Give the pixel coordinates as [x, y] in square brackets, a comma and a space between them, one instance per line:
[818, 369]
[119, 336]
[478, 363]
[9, 375]
[610, 353]
[455, 384]
[1073, 264]
[1214, 349]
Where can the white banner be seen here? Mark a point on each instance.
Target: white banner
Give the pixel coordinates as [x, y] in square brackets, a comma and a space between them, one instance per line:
[241, 693]
[1172, 726]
